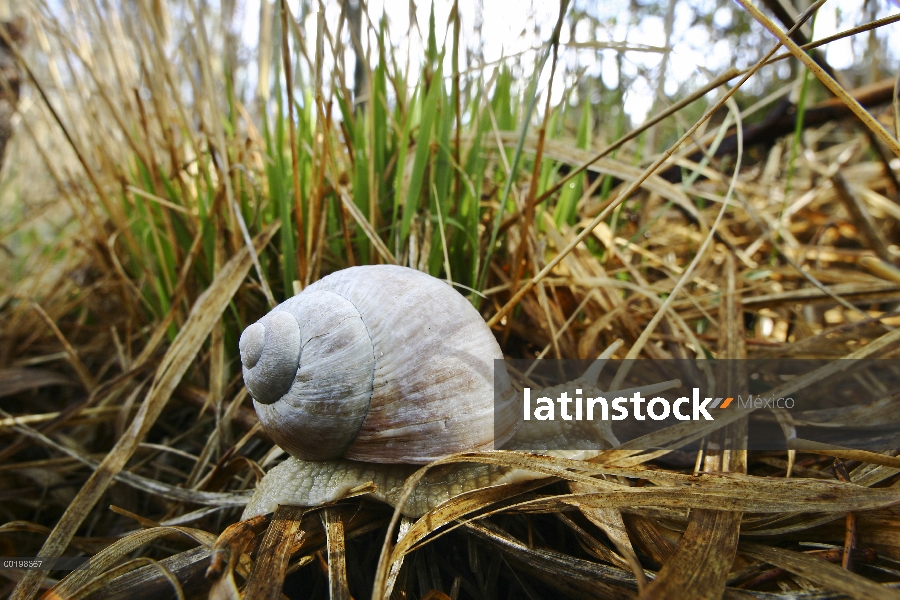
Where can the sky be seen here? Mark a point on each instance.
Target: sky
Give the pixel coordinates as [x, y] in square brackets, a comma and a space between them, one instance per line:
[512, 27]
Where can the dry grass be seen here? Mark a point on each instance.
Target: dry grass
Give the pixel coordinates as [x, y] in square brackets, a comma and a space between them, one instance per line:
[157, 215]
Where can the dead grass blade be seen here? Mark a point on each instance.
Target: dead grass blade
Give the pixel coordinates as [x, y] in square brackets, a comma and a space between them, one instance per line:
[102, 580]
[20, 379]
[185, 568]
[610, 522]
[361, 220]
[702, 560]
[880, 268]
[112, 554]
[230, 544]
[752, 494]
[860, 214]
[270, 568]
[292, 131]
[227, 555]
[844, 453]
[337, 559]
[569, 575]
[820, 572]
[87, 380]
[454, 510]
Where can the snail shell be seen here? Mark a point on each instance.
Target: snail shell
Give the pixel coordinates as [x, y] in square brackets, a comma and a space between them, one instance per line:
[382, 364]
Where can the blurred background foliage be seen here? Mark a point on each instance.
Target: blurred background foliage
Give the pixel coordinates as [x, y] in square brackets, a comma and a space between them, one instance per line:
[164, 82]
[156, 138]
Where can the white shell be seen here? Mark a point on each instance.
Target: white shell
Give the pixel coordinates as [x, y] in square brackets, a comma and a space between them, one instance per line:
[389, 365]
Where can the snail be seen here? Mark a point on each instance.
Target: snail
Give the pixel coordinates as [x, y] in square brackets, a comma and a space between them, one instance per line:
[369, 372]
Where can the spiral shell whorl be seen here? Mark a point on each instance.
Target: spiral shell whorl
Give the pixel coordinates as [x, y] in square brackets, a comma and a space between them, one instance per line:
[270, 351]
[253, 340]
